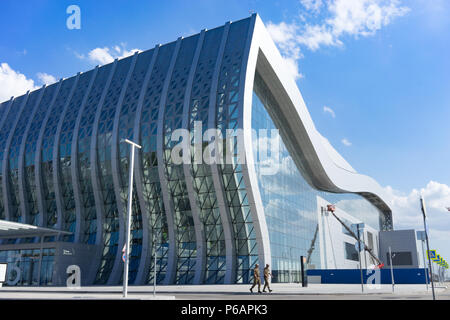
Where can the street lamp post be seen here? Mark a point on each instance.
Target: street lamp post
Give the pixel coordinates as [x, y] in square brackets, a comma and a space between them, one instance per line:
[130, 201]
[154, 268]
[358, 226]
[392, 269]
[422, 202]
[421, 236]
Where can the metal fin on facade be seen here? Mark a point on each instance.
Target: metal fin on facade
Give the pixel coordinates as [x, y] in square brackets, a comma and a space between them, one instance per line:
[147, 230]
[169, 211]
[6, 165]
[75, 166]
[99, 265]
[22, 194]
[37, 161]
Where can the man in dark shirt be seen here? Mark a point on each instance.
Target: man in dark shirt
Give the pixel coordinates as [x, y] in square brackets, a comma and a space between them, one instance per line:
[256, 279]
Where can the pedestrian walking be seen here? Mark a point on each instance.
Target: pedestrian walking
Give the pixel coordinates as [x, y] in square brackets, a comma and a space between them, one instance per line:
[267, 278]
[256, 279]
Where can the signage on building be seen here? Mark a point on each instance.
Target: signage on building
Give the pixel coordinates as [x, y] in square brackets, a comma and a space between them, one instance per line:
[67, 252]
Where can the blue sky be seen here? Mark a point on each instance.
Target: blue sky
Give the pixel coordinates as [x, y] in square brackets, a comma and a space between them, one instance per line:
[374, 74]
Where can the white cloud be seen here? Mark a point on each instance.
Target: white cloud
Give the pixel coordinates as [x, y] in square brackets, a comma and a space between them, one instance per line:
[407, 214]
[107, 55]
[100, 55]
[362, 17]
[284, 36]
[437, 198]
[329, 110]
[339, 18]
[292, 67]
[13, 83]
[45, 78]
[315, 36]
[346, 142]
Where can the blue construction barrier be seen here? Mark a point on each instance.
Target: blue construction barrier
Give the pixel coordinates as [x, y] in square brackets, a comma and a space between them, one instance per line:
[401, 276]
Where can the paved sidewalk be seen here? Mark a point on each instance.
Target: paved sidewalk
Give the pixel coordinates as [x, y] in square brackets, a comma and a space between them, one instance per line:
[280, 291]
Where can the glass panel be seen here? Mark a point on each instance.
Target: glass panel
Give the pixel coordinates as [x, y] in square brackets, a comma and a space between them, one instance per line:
[14, 152]
[186, 247]
[88, 209]
[231, 173]
[203, 186]
[65, 157]
[104, 143]
[151, 184]
[290, 203]
[47, 152]
[30, 153]
[4, 134]
[23, 266]
[126, 129]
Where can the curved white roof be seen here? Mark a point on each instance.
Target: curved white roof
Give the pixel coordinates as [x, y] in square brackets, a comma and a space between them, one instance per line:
[325, 167]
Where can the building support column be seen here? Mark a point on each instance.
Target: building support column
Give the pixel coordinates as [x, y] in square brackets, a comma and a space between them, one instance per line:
[200, 264]
[225, 216]
[74, 167]
[147, 248]
[56, 163]
[172, 255]
[23, 200]
[5, 168]
[99, 207]
[37, 162]
[116, 272]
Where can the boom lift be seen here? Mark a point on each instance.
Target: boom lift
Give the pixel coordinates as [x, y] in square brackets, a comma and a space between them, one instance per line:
[331, 208]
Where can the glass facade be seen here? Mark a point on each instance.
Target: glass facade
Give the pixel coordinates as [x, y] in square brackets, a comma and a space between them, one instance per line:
[290, 203]
[110, 232]
[24, 265]
[61, 155]
[151, 188]
[186, 246]
[48, 140]
[85, 123]
[14, 112]
[126, 131]
[4, 110]
[14, 154]
[227, 118]
[204, 192]
[31, 193]
[65, 140]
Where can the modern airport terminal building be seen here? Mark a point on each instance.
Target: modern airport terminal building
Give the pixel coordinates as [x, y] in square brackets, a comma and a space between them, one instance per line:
[253, 184]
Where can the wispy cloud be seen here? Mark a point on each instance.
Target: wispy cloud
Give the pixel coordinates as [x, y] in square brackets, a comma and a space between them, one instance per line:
[107, 55]
[345, 142]
[326, 23]
[329, 110]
